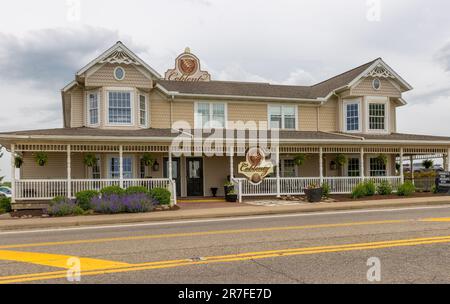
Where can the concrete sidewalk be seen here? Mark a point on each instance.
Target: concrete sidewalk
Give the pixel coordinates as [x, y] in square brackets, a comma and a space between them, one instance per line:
[200, 213]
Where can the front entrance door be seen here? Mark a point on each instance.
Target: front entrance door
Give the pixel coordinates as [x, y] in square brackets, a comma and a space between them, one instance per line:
[175, 172]
[194, 176]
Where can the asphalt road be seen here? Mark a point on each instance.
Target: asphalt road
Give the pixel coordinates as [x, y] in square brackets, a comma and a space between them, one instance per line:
[412, 246]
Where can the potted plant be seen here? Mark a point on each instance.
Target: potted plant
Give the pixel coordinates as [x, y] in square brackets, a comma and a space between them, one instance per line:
[427, 163]
[313, 193]
[148, 159]
[214, 191]
[231, 196]
[41, 158]
[18, 161]
[300, 159]
[90, 160]
[228, 187]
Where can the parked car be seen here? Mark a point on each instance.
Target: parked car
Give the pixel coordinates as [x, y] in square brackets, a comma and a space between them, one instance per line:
[5, 191]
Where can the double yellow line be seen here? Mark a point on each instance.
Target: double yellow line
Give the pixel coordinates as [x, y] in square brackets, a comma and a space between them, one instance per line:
[231, 258]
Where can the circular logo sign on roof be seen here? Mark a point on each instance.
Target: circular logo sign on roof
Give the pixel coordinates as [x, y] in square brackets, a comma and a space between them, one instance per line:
[187, 68]
[187, 65]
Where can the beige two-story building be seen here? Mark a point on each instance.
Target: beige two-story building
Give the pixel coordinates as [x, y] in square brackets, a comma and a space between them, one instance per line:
[120, 109]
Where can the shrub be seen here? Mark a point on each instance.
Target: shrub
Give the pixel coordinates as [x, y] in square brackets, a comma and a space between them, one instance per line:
[84, 198]
[384, 188]
[5, 204]
[64, 207]
[161, 195]
[136, 189]
[58, 199]
[326, 190]
[113, 203]
[406, 189]
[370, 188]
[359, 191]
[112, 190]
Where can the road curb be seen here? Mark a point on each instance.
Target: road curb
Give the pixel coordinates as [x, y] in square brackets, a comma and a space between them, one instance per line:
[234, 213]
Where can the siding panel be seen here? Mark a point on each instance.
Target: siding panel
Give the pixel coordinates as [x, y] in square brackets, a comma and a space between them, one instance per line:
[365, 88]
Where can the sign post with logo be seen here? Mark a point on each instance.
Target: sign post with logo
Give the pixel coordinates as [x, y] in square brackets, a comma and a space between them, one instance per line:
[256, 167]
[187, 68]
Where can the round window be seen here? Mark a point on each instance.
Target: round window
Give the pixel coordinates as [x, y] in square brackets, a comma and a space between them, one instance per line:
[376, 83]
[119, 73]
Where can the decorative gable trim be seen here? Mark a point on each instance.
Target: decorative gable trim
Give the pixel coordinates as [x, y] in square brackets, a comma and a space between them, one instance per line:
[119, 54]
[380, 69]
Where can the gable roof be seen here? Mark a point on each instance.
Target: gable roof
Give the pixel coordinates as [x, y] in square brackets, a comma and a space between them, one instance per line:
[119, 47]
[318, 92]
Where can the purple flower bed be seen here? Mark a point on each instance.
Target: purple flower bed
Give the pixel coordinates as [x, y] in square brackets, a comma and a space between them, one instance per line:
[114, 203]
[64, 207]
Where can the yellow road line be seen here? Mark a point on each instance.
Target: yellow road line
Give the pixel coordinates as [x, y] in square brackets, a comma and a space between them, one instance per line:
[201, 233]
[57, 260]
[235, 258]
[438, 219]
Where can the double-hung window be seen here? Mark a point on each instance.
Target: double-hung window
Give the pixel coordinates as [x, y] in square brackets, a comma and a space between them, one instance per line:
[92, 107]
[114, 167]
[119, 107]
[377, 167]
[282, 117]
[377, 116]
[143, 110]
[352, 116]
[288, 168]
[353, 167]
[210, 115]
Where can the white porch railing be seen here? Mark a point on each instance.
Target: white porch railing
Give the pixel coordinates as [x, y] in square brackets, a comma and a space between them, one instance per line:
[46, 189]
[296, 185]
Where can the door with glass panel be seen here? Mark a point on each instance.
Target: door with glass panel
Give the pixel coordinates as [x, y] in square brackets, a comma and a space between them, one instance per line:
[194, 176]
[175, 172]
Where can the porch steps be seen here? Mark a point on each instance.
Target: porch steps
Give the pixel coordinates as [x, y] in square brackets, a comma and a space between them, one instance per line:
[201, 200]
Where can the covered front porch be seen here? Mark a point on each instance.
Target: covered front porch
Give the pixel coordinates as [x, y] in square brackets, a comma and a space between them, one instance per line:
[121, 165]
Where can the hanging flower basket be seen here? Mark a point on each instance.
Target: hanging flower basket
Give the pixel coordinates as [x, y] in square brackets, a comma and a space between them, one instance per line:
[341, 160]
[148, 159]
[90, 160]
[382, 159]
[41, 158]
[300, 159]
[18, 161]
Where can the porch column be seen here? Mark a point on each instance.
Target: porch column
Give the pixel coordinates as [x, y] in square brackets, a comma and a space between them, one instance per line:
[69, 173]
[121, 166]
[361, 164]
[411, 162]
[231, 164]
[402, 176]
[277, 159]
[321, 165]
[448, 160]
[169, 165]
[13, 174]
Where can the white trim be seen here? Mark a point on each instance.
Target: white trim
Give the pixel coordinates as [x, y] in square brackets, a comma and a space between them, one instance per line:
[210, 103]
[346, 102]
[107, 53]
[123, 70]
[379, 83]
[377, 100]
[282, 116]
[132, 92]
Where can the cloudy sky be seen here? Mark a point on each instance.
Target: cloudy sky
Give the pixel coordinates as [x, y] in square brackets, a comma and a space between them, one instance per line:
[43, 43]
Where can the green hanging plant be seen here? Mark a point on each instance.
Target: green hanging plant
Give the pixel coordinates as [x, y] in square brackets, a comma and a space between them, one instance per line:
[41, 158]
[148, 159]
[382, 158]
[18, 161]
[90, 160]
[300, 159]
[341, 160]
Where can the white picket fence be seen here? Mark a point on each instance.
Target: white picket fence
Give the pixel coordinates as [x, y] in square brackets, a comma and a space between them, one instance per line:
[297, 185]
